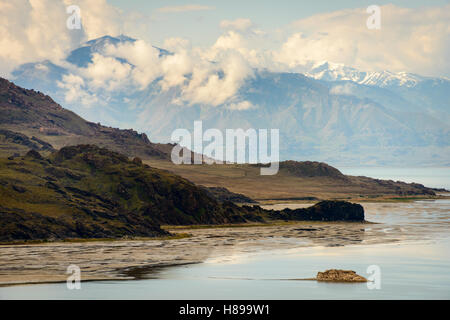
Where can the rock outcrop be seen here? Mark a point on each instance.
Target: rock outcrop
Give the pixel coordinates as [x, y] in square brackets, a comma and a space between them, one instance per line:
[85, 191]
[223, 194]
[323, 211]
[336, 275]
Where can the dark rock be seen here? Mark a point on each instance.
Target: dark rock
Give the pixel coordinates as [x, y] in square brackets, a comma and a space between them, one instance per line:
[323, 211]
[137, 161]
[223, 194]
[311, 169]
[33, 154]
[335, 275]
[19, 188]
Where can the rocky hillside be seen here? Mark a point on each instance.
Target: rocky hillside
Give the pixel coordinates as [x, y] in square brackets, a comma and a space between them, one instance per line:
[310, 169]
[31, 115]
[323, 211]
[89, 192]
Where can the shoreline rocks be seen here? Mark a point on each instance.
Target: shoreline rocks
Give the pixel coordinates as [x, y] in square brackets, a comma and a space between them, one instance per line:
[336, 275]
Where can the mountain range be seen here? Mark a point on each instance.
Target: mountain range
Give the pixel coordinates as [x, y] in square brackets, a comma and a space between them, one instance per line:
[86, 190]
[332, 113]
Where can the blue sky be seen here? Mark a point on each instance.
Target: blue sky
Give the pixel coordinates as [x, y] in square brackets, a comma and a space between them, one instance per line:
[281, 35]
[201, 27]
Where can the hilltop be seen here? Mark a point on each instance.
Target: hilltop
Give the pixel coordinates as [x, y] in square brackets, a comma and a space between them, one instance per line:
[295, 180]
[28, 114]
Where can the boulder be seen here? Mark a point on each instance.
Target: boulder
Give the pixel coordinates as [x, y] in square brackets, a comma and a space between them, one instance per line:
[335, 275]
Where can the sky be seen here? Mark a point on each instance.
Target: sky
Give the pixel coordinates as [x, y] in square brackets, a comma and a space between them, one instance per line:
[202, 26]
[232, 38]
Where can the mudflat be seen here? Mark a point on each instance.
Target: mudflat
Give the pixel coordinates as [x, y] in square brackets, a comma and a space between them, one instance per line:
[137, 259]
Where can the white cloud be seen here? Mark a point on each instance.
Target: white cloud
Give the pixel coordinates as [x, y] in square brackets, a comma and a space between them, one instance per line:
[238, 24]
[75, 91]
[106, 73]
[175, 69]
[176, 44]
[242, 105]
[99, 18]
[185, 8]
[345, 89]
[215, 83]
[29, 32]
[34, 30]
[412, 40]
[143, 56]
[200, 79]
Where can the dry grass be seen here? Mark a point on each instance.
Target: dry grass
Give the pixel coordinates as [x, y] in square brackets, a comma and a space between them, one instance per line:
[245, 179]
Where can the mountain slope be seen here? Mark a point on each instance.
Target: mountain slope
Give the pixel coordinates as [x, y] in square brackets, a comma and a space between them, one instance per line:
[34, 114]
[88, 192]
[334, 113]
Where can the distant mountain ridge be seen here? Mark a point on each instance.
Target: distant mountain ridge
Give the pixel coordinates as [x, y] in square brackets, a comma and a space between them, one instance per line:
[335, 72]
[334, 113]
[30, 120]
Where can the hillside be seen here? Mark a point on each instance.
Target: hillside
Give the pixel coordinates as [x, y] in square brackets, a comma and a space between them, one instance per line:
[333, 113]
[307, 180]
[30, 120]
[88, 192]
[27, 114]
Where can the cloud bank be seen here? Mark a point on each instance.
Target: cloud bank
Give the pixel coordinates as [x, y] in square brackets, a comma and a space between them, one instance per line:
[185, 8]
[412, 40]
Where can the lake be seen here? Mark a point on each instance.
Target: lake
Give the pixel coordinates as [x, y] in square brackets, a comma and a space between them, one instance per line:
[410, 245]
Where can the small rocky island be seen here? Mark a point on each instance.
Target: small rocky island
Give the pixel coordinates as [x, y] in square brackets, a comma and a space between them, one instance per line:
[336, 275]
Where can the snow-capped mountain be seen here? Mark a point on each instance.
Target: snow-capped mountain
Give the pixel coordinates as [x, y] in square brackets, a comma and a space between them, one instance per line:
[329, 71]
[333, 113]
[398, 91]
[82, 56]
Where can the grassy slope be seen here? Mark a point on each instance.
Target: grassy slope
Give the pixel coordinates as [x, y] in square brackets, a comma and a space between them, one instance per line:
[292, 184]
[86, 191]
[89, 192]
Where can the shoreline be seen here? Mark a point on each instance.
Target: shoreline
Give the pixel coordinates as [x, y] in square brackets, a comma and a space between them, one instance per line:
[141, 259]
[129, 259]
[176, 236]
[381, 199]
[263, 203]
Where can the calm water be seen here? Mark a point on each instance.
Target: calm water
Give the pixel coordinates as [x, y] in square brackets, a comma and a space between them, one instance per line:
[430, 177]
[413, 271]
[415, 266]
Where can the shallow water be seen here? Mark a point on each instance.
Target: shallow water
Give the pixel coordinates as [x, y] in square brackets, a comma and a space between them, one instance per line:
[412, 254]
